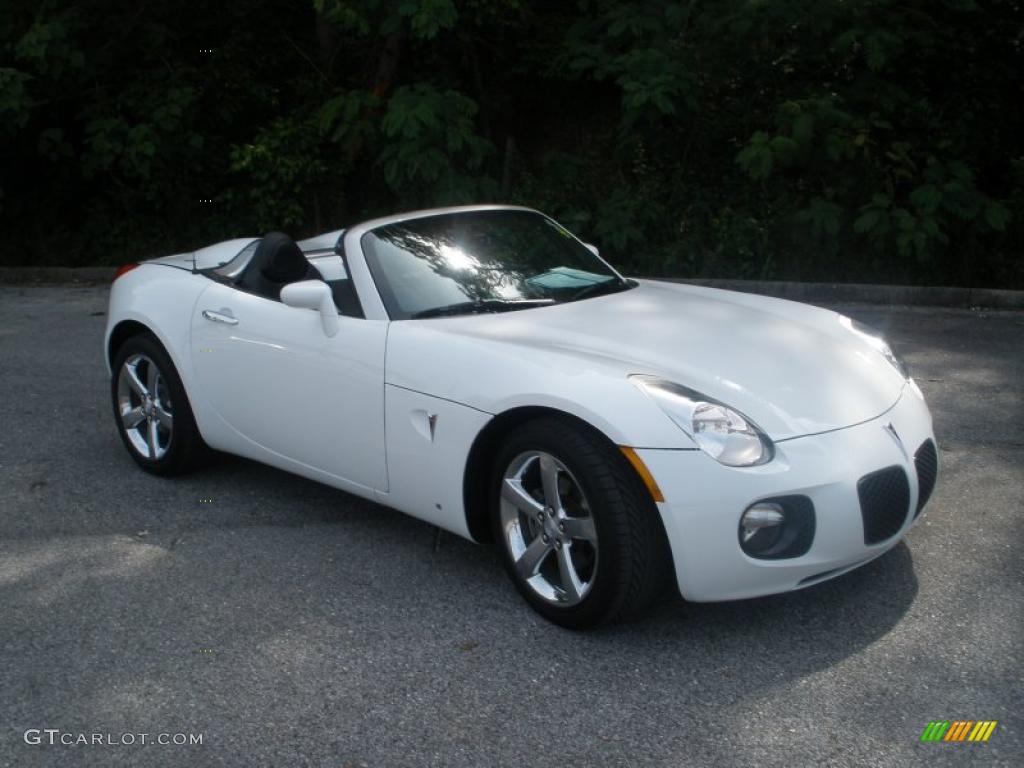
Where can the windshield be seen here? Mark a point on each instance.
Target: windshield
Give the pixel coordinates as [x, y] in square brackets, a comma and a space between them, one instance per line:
[481, 261]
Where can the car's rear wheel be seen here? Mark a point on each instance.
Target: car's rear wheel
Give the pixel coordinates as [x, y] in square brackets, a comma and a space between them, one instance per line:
[151, 410]
[579, 534]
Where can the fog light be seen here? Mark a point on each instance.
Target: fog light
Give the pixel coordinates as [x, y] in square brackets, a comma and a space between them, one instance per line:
[777, 528]
[761, 527]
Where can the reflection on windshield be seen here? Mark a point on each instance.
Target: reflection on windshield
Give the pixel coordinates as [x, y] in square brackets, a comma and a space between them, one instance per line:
[477, 261]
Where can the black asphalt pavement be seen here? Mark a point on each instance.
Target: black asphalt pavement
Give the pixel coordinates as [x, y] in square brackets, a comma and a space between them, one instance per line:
[291, 624]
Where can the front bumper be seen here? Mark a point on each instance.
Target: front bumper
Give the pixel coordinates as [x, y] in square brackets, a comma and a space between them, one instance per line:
[704, 501]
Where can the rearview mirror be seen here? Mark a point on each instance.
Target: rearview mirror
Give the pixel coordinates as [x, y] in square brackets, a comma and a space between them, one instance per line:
[313, 294]
[592, 248]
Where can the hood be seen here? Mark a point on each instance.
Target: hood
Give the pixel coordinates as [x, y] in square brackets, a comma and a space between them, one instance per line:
[790, 367]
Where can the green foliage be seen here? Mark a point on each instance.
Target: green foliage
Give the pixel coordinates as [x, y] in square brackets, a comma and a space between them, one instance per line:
[14, 100]
[870, 140]
[282, 160]
[850, 141]
[424, 19]
[823, 216]
[348, 120]
[133, 142]
[633, 47]
[431, 150]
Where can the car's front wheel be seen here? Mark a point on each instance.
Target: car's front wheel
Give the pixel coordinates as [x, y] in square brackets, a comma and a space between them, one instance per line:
[579, 533]
[151, 409]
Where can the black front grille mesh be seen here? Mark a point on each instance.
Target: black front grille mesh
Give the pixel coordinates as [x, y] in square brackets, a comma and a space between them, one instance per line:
[884, 503]
[926, 462]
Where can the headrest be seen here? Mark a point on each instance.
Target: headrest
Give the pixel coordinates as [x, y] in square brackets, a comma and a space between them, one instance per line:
[280, 259]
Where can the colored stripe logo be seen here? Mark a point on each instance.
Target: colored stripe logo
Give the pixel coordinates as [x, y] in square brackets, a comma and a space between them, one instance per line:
[959, 730]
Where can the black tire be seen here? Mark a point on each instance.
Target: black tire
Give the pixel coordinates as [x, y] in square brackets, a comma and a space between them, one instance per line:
[180, 447]
[633, 562]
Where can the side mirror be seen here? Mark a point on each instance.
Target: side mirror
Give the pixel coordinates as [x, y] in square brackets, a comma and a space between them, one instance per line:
[592, 248]
[313, 294]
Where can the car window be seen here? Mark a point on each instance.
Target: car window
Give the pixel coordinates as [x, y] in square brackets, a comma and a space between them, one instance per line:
[334, 272]
[487, 260]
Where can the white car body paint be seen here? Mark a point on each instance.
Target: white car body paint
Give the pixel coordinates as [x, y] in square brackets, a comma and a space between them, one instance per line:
[426, 473]
[209, 257]
[792, 368]
[326, 241]
[287, 394]
[702, 498]
[389, 410]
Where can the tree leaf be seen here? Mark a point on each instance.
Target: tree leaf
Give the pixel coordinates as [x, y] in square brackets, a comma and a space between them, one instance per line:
[867, 221]
[997, 215]
[926, 197]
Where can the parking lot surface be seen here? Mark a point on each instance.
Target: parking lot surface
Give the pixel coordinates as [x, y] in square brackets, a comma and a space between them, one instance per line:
[292, 624]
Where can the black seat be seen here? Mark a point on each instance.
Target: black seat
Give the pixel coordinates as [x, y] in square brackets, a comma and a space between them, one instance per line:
[276, 262]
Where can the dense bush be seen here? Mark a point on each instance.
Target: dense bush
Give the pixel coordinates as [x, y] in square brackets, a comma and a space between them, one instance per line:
[865, 140]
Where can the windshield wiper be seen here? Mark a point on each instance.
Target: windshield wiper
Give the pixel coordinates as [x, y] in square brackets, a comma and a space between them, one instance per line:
[481, 305]
[605, 286]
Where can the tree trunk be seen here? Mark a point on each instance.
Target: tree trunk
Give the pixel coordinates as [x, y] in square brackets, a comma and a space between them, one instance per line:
[326, 43]
[387, 63]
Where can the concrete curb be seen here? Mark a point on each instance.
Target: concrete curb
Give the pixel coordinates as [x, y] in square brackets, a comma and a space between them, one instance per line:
[35, 275]
[863, 293]
[813, 293]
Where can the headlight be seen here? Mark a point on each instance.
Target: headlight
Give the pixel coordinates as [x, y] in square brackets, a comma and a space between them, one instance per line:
[723, 433]
[874, 338]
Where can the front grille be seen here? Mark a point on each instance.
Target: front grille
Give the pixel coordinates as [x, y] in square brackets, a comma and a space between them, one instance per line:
[926, 462]
[884, 503]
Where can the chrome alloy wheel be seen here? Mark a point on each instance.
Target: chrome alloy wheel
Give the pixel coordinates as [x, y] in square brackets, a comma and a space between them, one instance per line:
[547, 526]
[144, 405]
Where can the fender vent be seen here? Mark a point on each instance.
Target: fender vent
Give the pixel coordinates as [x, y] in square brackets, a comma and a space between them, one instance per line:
[884, 503]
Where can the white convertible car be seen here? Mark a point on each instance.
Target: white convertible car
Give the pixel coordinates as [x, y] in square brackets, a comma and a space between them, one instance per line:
[483, 370]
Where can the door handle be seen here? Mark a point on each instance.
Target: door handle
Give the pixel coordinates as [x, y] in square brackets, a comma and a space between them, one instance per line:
[224, 316]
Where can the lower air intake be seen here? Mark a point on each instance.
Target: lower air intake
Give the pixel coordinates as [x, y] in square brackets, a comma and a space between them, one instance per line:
[926, 462]
[884, 503]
